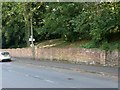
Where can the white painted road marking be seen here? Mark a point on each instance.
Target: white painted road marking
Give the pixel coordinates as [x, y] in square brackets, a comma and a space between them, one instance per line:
[50, 81]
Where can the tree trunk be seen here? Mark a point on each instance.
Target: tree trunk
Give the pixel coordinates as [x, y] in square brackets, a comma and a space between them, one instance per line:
[27, 22]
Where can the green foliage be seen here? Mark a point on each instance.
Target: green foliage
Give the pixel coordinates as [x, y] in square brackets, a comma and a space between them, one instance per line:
[71, 22]
[110, 46]
[105, 46]
[13, 25]
[89, 45]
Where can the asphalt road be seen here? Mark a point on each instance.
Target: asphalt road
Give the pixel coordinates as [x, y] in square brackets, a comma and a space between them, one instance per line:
[15, 75]
[0, 76]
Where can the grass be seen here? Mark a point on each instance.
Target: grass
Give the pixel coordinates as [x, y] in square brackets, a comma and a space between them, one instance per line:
[59, 43]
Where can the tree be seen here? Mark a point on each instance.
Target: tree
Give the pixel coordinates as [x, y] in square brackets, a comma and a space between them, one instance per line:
[13, 25]
[98, 22]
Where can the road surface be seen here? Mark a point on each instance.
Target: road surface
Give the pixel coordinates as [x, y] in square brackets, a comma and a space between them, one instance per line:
[15, 75]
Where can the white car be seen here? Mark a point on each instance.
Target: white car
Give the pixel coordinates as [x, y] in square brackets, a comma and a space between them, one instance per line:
[5, 56]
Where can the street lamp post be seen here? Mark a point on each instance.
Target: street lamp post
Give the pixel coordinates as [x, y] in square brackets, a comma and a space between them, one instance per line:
[32, 42]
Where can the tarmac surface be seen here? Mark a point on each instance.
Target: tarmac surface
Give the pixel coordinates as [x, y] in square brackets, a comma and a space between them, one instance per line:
[101, 70]
[28, 73]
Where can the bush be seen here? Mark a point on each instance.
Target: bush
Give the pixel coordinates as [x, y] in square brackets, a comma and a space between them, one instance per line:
[89, 45]
[105, 46]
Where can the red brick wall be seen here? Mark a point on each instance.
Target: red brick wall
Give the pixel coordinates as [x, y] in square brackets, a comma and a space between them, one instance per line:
[89, 56]
[71, 54]
[24, 52]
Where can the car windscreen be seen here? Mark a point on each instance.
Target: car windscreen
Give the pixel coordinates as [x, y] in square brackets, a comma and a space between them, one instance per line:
[5, 53]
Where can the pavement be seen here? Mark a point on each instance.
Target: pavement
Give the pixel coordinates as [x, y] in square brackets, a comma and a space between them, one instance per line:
[98, 70]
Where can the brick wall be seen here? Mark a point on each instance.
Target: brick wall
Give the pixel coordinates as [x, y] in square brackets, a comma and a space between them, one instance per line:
[88, 56]
[112, 58]
[71, 54]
